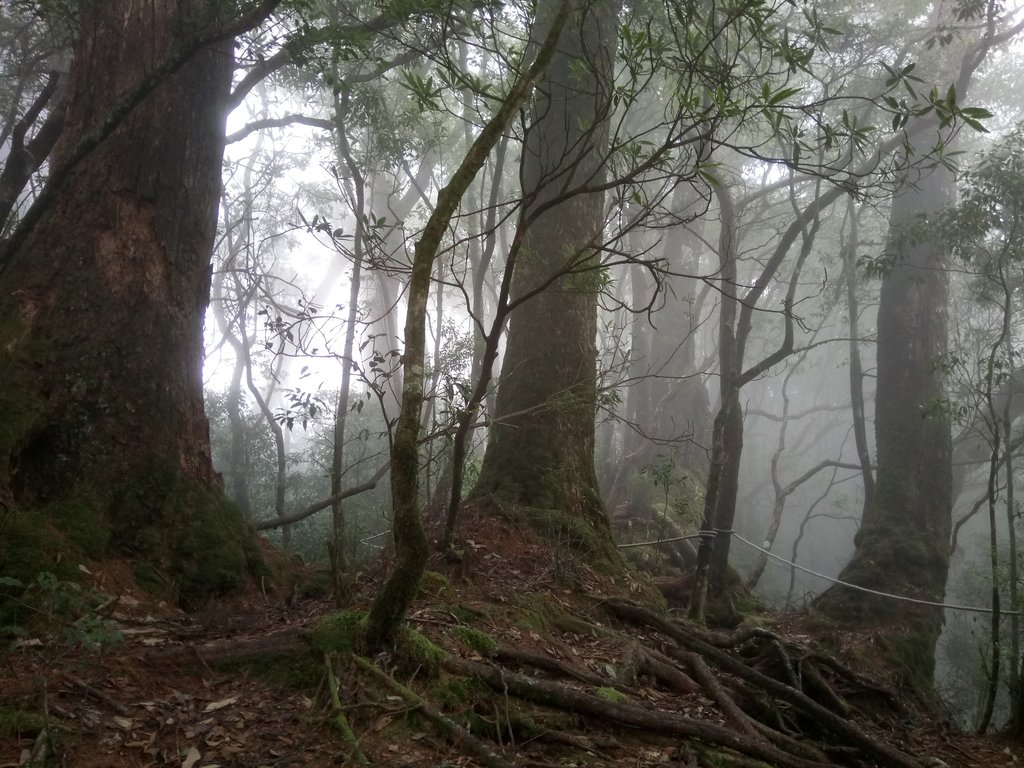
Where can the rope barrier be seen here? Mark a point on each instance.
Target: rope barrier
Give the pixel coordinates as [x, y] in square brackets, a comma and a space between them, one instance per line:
[916, 601]
[857, 587]
[659, 541]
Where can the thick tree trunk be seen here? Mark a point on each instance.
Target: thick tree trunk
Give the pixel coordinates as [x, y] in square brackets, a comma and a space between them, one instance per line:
[668, 411]
[101, 306]
[902, 546]
[541, 448]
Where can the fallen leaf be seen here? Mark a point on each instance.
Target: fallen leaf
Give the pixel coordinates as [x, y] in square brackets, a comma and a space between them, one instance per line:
[191, 758]
[125, 723]
[215, 705]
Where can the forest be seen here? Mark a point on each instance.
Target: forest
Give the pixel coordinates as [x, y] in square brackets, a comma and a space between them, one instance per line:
[511, 383]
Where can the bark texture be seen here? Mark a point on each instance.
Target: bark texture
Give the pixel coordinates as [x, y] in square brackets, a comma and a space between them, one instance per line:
[101, 311]
[541, 448]
[902, 546]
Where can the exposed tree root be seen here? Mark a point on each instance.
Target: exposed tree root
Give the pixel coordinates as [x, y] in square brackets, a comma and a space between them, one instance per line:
[661, 668]
[557, 667]
[837, 724]
[232, 650]
[655, 721]
[764, 700]
[451, 730]
[340, 720]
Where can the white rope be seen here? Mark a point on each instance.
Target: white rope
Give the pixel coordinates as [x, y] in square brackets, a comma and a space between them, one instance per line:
[916, 601]
[791, 564]
[659, 541]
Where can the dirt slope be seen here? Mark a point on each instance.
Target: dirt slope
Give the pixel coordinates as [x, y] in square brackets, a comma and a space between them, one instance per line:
[533, 660]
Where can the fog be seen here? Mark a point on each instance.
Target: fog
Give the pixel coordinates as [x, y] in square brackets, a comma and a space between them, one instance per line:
[793, 248]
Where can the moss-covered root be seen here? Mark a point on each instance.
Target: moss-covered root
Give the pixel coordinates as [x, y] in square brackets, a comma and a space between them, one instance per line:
[344, 634]
[451, 730]
[340, 721]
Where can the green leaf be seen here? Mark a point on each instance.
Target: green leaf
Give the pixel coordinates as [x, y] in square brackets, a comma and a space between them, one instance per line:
[782, 94]
[978, 113]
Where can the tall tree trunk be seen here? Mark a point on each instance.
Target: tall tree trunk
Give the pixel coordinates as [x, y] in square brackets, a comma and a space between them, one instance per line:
[849, 253]
[541, 448]
[102, 296]
[339, 523]
[667, 406]
[902, 546]
[411, 546]
[727, 430]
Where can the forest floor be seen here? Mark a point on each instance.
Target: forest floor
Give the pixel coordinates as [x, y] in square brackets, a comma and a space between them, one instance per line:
[546, 664]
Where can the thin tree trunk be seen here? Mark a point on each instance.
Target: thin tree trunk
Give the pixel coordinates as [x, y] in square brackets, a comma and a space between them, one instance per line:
[860, 436]
[996, 462]
[411, 547]
[336, 546]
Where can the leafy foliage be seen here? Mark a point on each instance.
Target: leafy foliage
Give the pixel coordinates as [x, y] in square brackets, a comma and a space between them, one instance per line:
[58, 611]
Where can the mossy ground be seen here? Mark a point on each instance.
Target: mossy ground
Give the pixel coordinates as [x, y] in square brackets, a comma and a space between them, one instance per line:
[435, 584]
[189, 543]
[20, 722]
[612, 695]
[578, 536]
[340, 633]
[502, 602]
[475, 640]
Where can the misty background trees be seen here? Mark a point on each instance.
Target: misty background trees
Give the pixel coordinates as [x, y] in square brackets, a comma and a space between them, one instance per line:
[750, 265]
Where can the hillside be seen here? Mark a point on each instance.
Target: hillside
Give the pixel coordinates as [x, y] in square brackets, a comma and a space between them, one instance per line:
[533, 660]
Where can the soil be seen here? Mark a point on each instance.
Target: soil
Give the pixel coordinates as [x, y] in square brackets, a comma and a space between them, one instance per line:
[235, 685]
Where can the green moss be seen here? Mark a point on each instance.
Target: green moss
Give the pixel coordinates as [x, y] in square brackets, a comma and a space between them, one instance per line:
[188, 541]
[417, 654]
[434, 584]
[511, 724]
[468, 614]
[454, 693]
[913, 653]
[191, 534]
[149, 578]
[475, 640]
[29, 545]
[577, 535]
[294, 670]
[537, 613]
[340, 632]
[87, 530]
[16, 723]
[212, 558]
[610, 694]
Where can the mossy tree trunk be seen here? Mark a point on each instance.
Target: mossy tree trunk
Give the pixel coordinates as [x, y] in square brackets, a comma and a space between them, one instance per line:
[902, 546]
[102, 296]
[411, 546]
[541, 448]
[727, 431]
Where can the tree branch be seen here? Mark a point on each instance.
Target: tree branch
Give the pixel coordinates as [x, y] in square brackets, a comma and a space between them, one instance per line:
[312, 509]
[25, 159]
[177, 58]
[278, 122]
